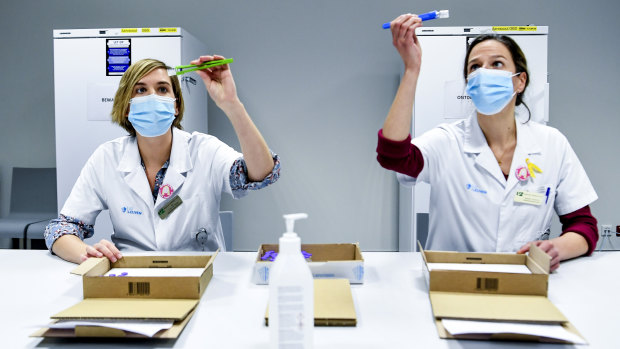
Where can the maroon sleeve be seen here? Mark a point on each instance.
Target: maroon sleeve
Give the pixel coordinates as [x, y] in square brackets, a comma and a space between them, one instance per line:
[583, 223]
[400, 156]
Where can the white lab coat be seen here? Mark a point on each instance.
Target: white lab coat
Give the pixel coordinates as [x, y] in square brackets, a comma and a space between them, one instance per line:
[472, 206]
[113, 178]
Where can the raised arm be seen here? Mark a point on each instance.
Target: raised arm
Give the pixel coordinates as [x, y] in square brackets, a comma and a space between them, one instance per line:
[221, 87]
[397, 125]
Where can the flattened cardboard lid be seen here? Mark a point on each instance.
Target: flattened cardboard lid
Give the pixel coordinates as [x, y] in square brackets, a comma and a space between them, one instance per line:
[125, 308]
[333, 303]
[443, 333]
[494, 307]
[98, 332]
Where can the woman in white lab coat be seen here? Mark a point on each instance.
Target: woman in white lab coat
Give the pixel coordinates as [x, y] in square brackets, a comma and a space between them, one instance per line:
[496, 177]
[161, 185]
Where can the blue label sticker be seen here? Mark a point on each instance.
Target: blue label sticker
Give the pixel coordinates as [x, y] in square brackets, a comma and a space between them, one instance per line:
[118, 51]
[118, 56]
[325, 275]
[359, 272]
[119, 60]
[117, 68]
[263, 273]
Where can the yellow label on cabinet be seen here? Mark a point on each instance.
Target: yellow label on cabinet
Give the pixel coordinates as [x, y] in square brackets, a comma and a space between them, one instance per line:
[515, 28]
[129, 30]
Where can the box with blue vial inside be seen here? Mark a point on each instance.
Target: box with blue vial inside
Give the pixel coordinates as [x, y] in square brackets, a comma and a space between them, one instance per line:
[334, 261]
[136, 296]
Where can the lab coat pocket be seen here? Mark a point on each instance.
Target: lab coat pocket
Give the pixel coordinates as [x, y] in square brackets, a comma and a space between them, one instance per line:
[202, 228]
[183, 224]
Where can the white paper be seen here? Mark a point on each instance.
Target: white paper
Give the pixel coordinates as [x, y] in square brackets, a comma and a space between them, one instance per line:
[143, 327]
[165, 272]
[499, 268]
[457, 327]
[100, 98]
[457, 104]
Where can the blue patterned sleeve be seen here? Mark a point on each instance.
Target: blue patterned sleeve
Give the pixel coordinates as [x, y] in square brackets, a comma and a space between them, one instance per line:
[239, 181]
[64, 225]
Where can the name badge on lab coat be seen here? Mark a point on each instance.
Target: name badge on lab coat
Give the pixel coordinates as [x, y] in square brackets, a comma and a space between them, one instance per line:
[170, 207]
[528, 197]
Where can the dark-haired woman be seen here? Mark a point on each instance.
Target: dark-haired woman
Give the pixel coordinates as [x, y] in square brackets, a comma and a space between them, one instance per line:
[495, 181]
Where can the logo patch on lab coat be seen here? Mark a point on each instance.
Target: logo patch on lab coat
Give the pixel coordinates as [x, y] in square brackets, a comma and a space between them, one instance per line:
[474, 188]
[130, 210]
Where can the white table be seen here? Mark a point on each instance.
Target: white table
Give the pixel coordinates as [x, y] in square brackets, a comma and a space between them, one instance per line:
[392, 305]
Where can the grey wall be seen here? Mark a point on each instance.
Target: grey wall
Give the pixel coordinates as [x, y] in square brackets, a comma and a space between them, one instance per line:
[318, 78]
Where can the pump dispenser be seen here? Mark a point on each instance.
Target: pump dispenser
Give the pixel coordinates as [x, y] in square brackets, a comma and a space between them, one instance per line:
[291, 293]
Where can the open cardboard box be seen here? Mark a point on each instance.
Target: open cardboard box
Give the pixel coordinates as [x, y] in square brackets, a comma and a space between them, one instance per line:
[333, 303]
[493, 296]
[135, 297]
[335, 261]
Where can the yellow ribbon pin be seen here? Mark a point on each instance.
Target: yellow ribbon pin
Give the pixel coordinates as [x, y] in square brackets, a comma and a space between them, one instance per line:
[532, 168]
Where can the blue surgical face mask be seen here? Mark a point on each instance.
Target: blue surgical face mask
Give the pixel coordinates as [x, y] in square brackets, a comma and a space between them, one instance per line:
[151, 115]
[490, 89]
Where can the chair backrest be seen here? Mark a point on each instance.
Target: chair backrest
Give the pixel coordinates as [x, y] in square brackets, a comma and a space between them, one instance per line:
[422, 220]
[226, 217]
[33, 190]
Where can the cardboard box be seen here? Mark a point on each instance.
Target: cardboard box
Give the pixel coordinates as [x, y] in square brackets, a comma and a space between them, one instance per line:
[333, 303]
[493, 296]
[135, 297]
[335, 261]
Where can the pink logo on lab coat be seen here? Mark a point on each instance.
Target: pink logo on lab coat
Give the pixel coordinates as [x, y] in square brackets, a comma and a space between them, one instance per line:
[522, 173]
[165, 191]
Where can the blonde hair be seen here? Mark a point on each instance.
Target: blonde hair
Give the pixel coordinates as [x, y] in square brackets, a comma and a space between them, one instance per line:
[130, 78]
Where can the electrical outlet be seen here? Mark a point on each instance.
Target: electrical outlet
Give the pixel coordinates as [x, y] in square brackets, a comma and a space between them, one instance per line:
[605, 230]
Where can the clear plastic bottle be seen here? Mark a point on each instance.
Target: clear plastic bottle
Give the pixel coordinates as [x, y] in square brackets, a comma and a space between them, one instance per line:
[291, 293]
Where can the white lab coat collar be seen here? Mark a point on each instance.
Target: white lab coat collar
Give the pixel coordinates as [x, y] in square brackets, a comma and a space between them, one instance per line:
[180, 162]
[476, 143]
[135, 177]
[130, 159]
[179, 154]
[527, 145]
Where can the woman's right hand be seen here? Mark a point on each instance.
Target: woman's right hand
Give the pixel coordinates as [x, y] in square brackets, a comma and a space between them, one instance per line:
[100, 249]
[218, 81]
[406, 42]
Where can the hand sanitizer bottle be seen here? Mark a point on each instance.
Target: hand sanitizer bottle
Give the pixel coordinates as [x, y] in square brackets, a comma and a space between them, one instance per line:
[291, 293]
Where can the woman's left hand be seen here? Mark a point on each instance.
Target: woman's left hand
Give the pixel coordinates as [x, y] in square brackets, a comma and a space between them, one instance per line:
[219, 81]
[548, 247]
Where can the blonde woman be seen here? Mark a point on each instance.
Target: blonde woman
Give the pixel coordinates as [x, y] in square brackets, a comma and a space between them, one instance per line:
[162, 185]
